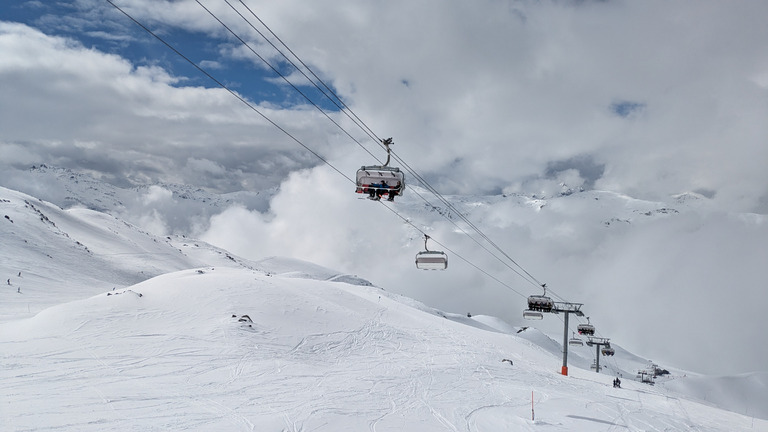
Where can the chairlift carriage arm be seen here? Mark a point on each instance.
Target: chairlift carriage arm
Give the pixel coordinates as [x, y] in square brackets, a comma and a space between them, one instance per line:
[387, 142]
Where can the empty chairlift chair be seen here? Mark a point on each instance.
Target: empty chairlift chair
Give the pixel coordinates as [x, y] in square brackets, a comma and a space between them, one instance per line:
[380, 180]
[431, 260]
[575, 341]
[532, 315]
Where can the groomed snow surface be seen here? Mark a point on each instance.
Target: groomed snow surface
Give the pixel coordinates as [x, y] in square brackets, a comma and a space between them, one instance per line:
[276, 345]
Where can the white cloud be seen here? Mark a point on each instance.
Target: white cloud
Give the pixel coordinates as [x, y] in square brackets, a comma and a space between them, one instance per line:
[156, 194]
[493, 93]
[138, 127]
[678, 276]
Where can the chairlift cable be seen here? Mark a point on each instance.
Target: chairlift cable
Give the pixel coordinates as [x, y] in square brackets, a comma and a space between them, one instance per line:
[410, 170]
[342, 106]
[407, 221]
[474, 227]
[360, 124]
[233, 93]
[275, 70]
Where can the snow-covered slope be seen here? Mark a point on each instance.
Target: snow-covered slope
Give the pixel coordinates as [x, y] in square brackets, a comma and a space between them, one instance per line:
[52, 255]
[108, 327]
[236, 349]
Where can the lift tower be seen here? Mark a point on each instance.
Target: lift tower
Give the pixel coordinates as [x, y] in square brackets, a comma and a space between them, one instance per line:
[540, 304]
[598, 342]
[567, 309]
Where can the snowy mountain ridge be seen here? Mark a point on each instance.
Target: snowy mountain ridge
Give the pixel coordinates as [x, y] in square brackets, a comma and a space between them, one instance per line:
[118, 322]
[142, 204]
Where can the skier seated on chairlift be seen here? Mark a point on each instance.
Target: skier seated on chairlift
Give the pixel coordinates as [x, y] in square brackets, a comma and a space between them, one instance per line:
[394, 191]
[376, 190]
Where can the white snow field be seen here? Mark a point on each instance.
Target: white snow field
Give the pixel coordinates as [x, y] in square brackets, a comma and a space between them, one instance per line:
[104, 327]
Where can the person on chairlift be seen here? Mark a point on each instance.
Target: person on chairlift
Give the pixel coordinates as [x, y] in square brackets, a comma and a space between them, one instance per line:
[394, 191]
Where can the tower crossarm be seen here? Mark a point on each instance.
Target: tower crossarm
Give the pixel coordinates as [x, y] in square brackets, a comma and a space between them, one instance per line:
[565, 307]
[598, 341]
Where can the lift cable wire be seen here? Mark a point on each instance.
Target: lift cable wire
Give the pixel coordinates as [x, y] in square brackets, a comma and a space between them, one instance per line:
[199, 68]
[474, 227]
[233, 93]
[280, 74]
[413, 172]
[360, 124]
[453, 252]
[348, 111]
[336, 100]
[295, 139]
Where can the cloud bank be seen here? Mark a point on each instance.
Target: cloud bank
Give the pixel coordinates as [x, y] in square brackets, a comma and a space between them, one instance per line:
[663, 98]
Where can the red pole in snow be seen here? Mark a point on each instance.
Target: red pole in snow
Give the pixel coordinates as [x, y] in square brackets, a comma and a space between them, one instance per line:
[532, 415]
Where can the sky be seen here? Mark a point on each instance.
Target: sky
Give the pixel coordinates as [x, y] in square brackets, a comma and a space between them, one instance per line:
[646, 99]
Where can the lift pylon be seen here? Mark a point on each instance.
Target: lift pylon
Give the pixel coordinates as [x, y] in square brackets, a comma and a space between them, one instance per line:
[598, 342]
[538, 305]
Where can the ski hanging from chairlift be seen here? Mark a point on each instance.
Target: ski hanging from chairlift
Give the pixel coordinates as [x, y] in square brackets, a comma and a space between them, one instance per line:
[431, 260]
[380, 180]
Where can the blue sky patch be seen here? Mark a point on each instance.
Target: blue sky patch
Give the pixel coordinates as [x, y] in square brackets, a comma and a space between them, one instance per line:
[106, 29]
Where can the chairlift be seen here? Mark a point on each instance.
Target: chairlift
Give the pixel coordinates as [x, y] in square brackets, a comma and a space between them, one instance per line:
[607, 351]
[532, 315]
[537, 304]
[575, 341]
[540, 303]
[586, 329]
[431, 260]
[380, 180]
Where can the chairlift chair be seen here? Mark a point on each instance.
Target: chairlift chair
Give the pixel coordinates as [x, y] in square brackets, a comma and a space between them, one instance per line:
[431, 260]
[379, 180]
[608, 351]
[575, 341]
[537, 304]
[540, 303]
[586, 329]
[532, 314]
